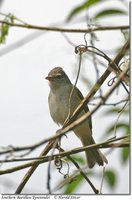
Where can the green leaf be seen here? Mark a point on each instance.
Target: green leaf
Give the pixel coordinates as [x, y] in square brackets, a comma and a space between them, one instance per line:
[115, 110]
[82, 7]
[78, 159]
[108, 12]
[12, 17]
[110, 177]
[121, 125]
[71, 187]
[3, 32]
[124, 155]
[5, 27]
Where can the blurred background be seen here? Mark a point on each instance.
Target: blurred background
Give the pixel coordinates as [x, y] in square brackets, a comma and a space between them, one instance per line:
[26, 57]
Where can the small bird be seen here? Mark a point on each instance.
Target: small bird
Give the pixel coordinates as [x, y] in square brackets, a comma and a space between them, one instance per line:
[60, 105]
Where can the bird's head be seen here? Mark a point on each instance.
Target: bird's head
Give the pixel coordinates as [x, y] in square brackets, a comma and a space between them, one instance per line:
[57, 78]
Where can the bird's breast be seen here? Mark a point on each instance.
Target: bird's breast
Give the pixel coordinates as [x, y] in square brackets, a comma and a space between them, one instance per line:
[58, 105]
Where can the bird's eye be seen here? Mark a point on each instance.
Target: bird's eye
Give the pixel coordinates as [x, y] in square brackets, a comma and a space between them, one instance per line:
[58, 76]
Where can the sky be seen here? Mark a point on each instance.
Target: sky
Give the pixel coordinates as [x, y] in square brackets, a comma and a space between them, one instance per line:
[24, 112]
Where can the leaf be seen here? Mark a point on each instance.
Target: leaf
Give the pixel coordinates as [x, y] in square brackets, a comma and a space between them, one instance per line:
[110, 177]
[120, 125]
[124, 155]
[70, 188]
[115, 110]
[78, 159]
[108, 12]
[82, 7]
[71, 182]
[3, 32]
[12, 17]
[5, 27]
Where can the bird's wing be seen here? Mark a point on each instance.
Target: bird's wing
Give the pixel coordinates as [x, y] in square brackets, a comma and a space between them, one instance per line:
[86, 109]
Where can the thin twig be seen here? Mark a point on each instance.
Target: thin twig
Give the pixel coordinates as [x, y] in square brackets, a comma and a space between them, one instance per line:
[111, 104]
[40, 160]
[115, 126]
[68, 39]
[33, 168]
[106, 144]
[81, 172]
[101, 185]
[92, 40]
[73, 88]
[29, 26]
[49, 165]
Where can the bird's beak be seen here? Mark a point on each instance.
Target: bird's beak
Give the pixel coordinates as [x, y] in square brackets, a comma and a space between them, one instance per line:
[49, 78]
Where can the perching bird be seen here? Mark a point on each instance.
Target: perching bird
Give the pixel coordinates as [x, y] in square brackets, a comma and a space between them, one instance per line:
[60, 91]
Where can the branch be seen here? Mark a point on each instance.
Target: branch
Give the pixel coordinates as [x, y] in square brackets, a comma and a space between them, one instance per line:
[33, 168]
[42, 158]
[46, 159]
[111, 104]
[32, 147]
[56, 29]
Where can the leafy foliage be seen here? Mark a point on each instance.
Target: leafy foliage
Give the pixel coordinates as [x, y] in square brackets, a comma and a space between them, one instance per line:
[109, 12]
[4, 30]
[111, 178]
[116, 110]
[123, 127]
[71, 187]
[90, 3]
[124, 155]
[78, 159]
[82, 7]
[120, 126]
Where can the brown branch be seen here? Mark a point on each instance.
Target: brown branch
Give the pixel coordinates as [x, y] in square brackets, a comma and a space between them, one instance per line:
[102, 180]
[42, 158]
[46, 159]
[33, 168]
[32, 147]
[111, 104]
[56, 29]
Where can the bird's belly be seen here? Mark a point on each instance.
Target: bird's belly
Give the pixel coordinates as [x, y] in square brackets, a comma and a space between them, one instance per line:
[59, 109]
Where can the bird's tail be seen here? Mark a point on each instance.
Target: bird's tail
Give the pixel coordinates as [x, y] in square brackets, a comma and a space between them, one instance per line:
[94, 155]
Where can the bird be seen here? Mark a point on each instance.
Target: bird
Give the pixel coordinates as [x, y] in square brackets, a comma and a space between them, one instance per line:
[60, 105]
